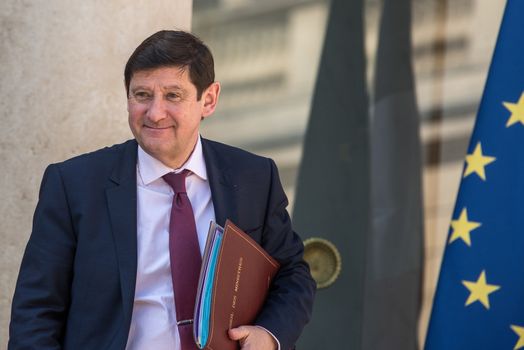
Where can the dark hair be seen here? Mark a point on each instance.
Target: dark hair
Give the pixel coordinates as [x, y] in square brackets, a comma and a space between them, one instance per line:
[173, 48]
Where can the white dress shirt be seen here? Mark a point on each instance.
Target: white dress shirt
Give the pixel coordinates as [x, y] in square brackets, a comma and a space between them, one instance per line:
[153, 324]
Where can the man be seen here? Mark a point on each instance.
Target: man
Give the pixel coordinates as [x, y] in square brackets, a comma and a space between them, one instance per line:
[98, 270]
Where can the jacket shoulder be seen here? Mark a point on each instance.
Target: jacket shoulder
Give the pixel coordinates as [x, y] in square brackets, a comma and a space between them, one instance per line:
[117, 161]
[233, 153]
[94, 159]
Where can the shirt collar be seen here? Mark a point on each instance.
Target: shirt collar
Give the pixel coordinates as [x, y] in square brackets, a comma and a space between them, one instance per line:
[151, 169]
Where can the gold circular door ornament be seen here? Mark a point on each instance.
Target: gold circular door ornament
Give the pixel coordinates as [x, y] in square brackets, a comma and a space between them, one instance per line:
[324, 261]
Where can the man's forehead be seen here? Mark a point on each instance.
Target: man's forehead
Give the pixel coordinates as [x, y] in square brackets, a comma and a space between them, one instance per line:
[174, 73]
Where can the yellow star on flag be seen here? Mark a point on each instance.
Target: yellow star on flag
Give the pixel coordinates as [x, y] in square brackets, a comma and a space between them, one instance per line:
[517, 111]
[520, 333]
[480, 290]
[462, 228]
[477, 161]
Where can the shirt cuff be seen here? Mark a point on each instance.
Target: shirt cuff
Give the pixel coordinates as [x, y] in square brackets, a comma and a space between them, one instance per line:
[278, 343]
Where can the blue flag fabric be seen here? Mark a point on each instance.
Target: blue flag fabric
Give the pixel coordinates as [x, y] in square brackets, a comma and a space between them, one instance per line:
[479, 303]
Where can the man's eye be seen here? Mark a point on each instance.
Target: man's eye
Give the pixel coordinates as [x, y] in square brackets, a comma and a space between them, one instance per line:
[171, 96]
[141, 96]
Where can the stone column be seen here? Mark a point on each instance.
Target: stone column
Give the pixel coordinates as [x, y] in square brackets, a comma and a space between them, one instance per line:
[61, 94]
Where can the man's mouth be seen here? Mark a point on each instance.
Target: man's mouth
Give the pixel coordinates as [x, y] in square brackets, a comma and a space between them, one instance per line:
[157, 127]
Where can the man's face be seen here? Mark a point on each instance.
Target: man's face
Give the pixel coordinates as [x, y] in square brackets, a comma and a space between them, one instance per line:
[164, 113]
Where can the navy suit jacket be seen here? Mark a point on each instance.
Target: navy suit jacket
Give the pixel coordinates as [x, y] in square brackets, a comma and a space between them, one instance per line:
[76, 284]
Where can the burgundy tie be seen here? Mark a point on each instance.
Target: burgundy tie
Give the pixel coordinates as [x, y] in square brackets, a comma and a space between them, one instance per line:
[184, 256]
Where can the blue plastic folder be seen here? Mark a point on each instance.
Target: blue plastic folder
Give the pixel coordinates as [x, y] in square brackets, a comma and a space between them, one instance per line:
[203, 305]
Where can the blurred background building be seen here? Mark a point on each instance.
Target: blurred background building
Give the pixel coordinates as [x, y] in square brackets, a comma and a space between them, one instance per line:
[267, 54]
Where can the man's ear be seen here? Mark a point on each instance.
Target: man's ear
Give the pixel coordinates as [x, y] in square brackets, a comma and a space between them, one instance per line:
[210, 99]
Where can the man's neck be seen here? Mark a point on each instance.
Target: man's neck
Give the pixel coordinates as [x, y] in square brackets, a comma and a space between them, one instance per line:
[179, 160]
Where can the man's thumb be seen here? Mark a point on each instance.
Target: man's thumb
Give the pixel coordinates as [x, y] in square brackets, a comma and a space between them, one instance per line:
[238, 333]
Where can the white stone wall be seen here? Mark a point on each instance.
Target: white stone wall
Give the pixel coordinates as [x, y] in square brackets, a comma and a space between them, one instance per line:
[61, 94]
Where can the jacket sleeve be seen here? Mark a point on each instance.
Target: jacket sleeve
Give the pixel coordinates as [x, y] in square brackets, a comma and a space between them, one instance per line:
[289, 304]
[41, 299]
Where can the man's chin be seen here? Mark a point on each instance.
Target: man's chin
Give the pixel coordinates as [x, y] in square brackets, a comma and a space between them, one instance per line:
[157, 149]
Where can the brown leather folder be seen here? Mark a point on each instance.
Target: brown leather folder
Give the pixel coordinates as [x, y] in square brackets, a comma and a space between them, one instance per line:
[242, 278]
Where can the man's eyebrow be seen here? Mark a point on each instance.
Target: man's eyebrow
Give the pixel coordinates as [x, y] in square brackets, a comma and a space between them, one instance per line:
[168, 87]
[139, 87]
[174, 87]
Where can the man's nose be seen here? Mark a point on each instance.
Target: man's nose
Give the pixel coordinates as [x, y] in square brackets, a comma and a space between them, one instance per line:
[157, 109]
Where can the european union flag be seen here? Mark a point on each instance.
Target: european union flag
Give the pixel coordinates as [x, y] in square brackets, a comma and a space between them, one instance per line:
[479, 302]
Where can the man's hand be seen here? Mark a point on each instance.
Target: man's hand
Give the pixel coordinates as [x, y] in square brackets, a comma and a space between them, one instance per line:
[253, 338]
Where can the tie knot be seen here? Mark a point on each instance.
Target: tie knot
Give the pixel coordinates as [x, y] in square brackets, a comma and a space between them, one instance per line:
[177, 181]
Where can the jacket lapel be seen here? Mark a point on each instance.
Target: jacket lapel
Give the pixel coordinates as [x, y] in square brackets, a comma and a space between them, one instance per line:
[221, 182]
[121, 200]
